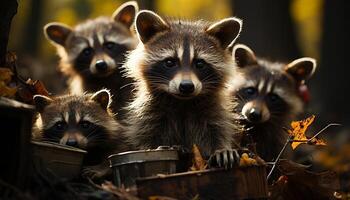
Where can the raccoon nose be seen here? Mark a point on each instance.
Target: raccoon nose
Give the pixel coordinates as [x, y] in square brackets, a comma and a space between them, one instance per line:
[72, 142]
[254, 115]
[101, 65]
[186, 87]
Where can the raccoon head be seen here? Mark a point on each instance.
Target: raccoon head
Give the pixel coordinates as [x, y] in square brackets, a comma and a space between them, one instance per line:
[269, 91]
[96, 47]
[182, 58]
[79, 121]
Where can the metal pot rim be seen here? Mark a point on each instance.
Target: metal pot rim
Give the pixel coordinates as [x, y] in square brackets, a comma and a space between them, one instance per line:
[142, 156]
[58, 146]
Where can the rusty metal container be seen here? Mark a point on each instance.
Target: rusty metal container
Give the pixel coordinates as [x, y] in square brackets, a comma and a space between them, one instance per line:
[15, 128]
[238, 183]
[64, 161]
[128, 166]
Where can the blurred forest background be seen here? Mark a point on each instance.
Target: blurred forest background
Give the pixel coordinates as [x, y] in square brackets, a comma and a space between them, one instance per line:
[280, 30]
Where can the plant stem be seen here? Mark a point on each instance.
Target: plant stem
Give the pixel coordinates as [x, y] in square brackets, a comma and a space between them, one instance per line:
[278, 158]
[321, 131]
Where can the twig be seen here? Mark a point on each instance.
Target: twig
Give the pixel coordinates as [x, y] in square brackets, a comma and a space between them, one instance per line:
[278, 158]
[321, 131]
[290, 140]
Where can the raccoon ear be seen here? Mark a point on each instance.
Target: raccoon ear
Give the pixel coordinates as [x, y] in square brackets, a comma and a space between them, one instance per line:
[102, 97]
[149, 24]
[125, 14]
[301, 69]
[243, 55]
[41, 102]
[57, 32]
[226, 31]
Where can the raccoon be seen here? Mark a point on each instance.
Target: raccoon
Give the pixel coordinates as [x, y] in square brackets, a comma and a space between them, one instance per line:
[82, 121]
[92, 53]
[269, 97]
[181, 68]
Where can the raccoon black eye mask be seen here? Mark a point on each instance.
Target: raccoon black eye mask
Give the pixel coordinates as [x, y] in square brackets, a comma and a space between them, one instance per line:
[92, 52]
[268, 95]
[181, 68]
[83, 121]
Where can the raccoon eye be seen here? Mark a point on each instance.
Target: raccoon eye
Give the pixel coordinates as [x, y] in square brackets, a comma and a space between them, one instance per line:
[85, 124]
[273, 98]
[200, 63]
[250, 91]
[170, 62]
[87, 51]
[110, 45]
[60, 126]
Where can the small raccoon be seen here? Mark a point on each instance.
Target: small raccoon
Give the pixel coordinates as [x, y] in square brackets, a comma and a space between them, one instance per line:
[82, 121]
[269, 97]
[92, 53]
[181, 68]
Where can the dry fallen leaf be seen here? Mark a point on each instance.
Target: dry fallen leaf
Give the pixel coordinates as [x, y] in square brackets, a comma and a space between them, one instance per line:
[315, 141]
[6, 77]
[6, 91]
[246, 161]
[298, 133]
[198, 162]
[30, 88]
[297, 182]
[298, 130]
[119, 192]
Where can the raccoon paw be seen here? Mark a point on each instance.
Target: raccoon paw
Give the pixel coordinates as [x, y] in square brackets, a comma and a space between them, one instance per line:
[95, 173]
[227, 158]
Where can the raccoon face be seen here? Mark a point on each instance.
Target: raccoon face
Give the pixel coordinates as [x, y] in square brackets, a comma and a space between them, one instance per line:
[79, 121]
[182, 58]
[269, 91]
[96, 47]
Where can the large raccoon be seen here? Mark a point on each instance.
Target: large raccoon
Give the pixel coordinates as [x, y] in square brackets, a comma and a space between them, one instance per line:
[82, 121]
[270, 95]
[92, 53]
[181, 68]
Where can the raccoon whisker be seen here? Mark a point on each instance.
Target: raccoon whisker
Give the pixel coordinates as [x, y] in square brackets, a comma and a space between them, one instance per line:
[211, 83]
[157, 88]
[241, 98]
[126, 85]
[157, 83]
[155, 74]
[157, 78]
[208, 77]
[92, 132]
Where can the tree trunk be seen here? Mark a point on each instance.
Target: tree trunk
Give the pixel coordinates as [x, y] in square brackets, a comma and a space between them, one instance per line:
[331, 82]
[8, 9]
[267, 28]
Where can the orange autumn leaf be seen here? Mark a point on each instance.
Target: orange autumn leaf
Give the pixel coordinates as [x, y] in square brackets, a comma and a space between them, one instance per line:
[198, 162]
[246, 161]
[299, 129]
[6, 77]
[315, 141]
